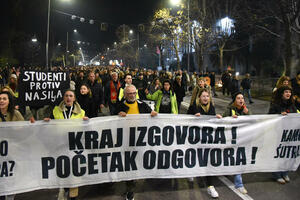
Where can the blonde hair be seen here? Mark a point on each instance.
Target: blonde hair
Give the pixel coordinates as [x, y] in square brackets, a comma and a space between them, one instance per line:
[198, 103]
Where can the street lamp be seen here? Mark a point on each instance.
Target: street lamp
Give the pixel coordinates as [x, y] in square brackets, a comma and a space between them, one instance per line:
[75, 30]
[34, 39]
[48, 33]
[131, 31]
[177, 2]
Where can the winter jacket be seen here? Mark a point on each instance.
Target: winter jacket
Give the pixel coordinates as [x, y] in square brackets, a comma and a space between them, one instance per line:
[77, 112]
[157, 97]
[193, 109]
[232, 110]
[143, 107]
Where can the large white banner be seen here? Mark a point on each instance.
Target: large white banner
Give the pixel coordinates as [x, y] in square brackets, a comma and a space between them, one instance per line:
[69, 153]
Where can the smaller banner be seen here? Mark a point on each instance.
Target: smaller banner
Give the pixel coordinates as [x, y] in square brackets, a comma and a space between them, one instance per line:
[42, 88]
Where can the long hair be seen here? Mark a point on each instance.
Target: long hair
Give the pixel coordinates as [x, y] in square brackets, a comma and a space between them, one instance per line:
[198, 103]
[281, 80]
[278, 95]
[11, 104]
[89, 89]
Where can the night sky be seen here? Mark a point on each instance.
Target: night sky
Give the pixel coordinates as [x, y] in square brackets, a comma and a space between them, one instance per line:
[32, 18]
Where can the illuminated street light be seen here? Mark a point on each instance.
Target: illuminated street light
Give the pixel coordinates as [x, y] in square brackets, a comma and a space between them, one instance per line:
[131, 31]
[48, 32]
[75, 30]
[59, 44]
[145, 45]
[34, 39]
[176, 2]
[78, 42]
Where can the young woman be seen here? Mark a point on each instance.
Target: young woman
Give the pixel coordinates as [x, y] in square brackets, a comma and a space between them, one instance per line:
[165, 99]
[283, 103]
[85, 100]
[69, 108]
[155, 85]
[235, 109]
[8, 113]
[201, 83]
[203, 106]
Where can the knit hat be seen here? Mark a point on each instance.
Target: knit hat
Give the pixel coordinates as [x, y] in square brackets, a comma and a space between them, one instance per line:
[13, 76]
[235, 95]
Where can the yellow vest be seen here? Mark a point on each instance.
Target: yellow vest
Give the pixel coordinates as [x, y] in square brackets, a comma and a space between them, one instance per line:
[58, 114]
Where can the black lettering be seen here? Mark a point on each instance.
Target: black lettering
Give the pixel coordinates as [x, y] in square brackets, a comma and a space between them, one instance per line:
[153, 137]
[194, 135]
[215, 157]
[177, 159]
[240, 156]
[220, 136]
[283, 138]
[76, 162]
[168, 135]
[203, 157]
[140, 141]
[75, 140]
[229, 157]
[48, 163]
[190, 158]
[149, 159]
[106, 139]
[91, 140]
[207, 135]
[92, 163]
[181, 135]
[130, 160]
[163, 160]
[119, 137]
[116, 162]
[132, 136]
[63, 167]
[104, 161]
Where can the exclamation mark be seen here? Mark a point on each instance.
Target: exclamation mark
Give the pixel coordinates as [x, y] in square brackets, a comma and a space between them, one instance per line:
[233, 132]
[254, 150]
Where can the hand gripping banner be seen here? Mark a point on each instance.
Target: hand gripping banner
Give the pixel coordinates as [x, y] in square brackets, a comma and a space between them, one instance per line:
[71, 153]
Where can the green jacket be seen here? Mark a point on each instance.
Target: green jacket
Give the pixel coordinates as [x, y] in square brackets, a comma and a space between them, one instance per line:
[77, 112]
[232, 110]
[157, 97]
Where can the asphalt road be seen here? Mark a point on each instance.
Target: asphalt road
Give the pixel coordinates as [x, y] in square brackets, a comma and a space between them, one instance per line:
[260, 186]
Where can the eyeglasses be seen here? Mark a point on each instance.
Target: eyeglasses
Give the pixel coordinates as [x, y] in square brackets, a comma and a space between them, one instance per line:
[131, 93]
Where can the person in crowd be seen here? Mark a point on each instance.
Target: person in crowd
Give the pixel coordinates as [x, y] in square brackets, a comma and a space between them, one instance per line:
[200, 84]
[237, 108]
[111, 92]
[282, 81]
[212, 77]
[79, 81]
[155, 85]
[246, 85]
[141, 85]
[97, 92]
[127, 81]
[226, 80]
[282, 103]
[69, 108]
[234, 85]
[131, 105]
[179, 91]
[203, 106]
[85, 100]
[8, 113]
[13, 84]
[165, 99]
[296, 90]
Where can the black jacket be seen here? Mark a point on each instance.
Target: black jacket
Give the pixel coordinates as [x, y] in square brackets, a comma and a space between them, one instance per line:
[193, 109]
[179, 91]
[86, 104]
[246, 83]
[143, 107]
[282, 107]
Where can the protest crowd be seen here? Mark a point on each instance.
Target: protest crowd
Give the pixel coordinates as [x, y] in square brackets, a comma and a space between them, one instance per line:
[121, 91]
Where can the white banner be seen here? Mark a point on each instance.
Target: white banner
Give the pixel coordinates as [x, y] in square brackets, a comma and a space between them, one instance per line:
[69, 153]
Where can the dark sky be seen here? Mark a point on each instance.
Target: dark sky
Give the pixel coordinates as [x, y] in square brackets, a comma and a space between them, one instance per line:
[32, 18]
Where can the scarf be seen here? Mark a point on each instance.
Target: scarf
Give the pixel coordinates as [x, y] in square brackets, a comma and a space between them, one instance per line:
[113, 91]
[205, 107]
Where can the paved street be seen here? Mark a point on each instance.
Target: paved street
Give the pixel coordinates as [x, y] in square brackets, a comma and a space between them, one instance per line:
[260, 186]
